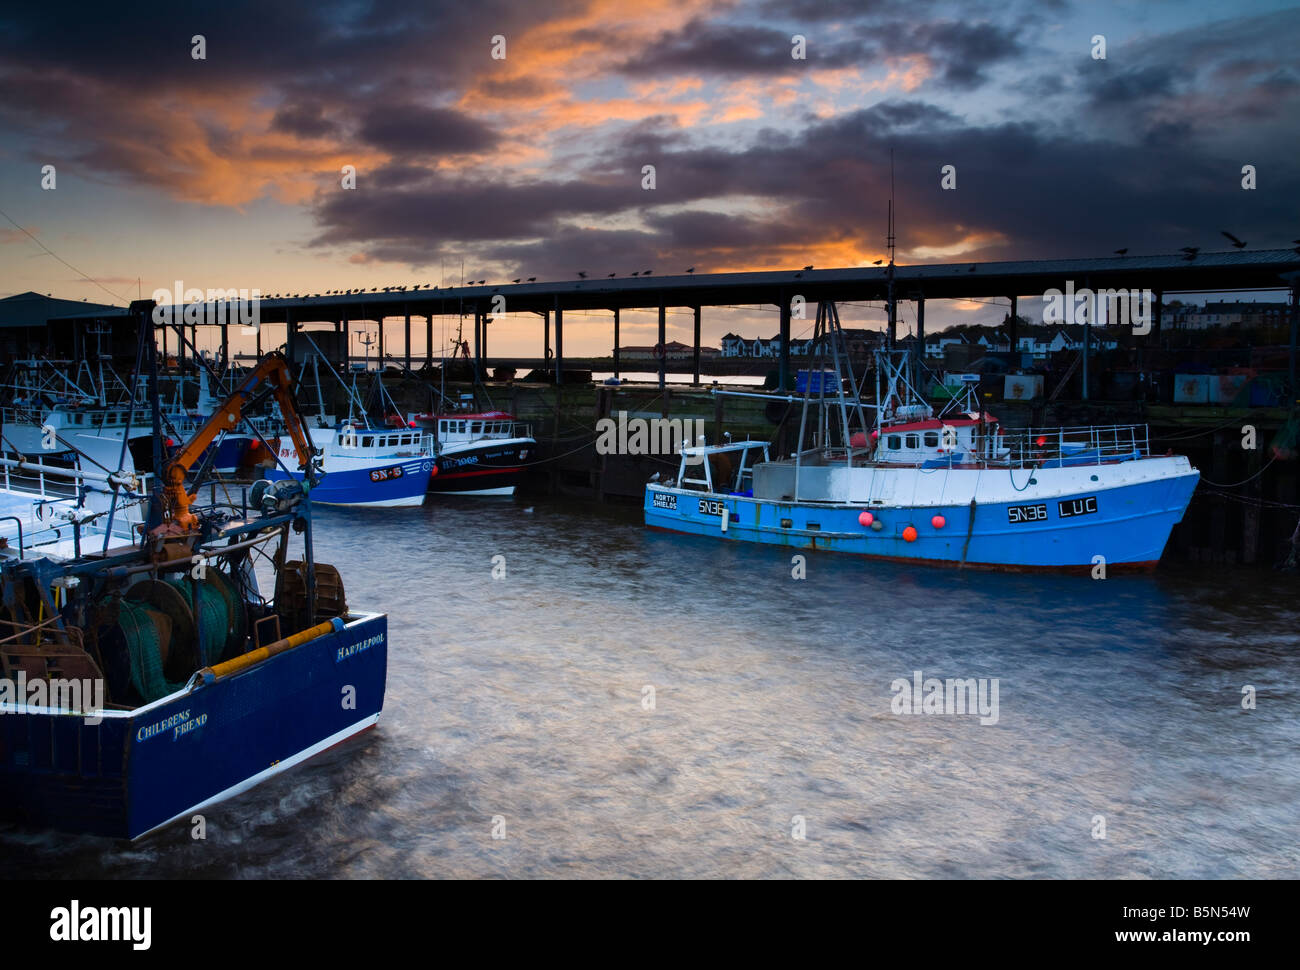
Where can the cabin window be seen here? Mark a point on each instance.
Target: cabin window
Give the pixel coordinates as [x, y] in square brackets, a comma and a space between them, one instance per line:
[367, 442]
[895, 442]
[476, 427]
[932, 439]
[913, 441]
[460, 427]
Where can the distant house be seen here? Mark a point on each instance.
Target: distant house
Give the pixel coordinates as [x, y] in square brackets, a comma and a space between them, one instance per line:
[734, 345]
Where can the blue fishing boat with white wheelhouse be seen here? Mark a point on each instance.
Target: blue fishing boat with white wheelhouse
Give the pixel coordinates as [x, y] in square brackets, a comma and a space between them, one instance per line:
[367, 466]
[953, 489]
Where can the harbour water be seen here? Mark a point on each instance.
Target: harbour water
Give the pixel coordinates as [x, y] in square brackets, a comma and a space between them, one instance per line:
[617, 702]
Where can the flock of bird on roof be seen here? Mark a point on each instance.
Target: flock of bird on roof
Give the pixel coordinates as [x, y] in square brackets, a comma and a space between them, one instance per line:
[1189, 254]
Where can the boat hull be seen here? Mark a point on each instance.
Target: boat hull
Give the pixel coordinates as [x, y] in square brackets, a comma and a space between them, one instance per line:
[1124, 525]
[137, 771]
[488, 467]
[374, 483]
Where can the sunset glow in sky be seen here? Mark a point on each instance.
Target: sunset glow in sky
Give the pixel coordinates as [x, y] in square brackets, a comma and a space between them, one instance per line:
[226, 171]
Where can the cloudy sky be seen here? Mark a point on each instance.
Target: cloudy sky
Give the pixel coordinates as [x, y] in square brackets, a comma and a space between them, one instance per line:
[227, 171]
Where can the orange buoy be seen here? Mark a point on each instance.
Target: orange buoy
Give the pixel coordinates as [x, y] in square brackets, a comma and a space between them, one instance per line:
[938, 522]
[909, 534]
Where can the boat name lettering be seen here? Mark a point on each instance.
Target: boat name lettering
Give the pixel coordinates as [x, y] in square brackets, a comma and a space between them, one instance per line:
[1077, 506]
[345, 652]
[708, 507]
[386, 474]
[456, 462]
[663, 500]
[178, 724]
[1026, 513]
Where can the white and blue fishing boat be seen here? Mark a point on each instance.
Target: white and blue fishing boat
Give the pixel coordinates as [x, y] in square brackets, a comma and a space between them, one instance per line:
[146, 676]
[953, 489]
[363, 465]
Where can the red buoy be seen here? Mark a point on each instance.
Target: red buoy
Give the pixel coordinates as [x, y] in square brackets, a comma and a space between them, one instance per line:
[938, 522]
[909, 534]
[865, 519]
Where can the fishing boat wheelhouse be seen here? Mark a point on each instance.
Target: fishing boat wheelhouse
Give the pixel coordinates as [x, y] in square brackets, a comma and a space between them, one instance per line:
[479, 453]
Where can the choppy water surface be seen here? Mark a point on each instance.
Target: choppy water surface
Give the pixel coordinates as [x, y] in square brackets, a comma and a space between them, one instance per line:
[522, 698]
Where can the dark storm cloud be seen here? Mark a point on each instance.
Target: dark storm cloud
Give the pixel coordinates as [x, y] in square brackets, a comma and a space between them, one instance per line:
[439, 207]
[1046, 193]
[961, 51]
[306, 120]
[1137, 84]
[703, 47]
[413, 129]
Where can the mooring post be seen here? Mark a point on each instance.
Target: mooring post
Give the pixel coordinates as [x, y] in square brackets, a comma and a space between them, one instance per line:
[615, 343]
[478, 345]
[919, 356]
[428, 341]
[407, 343]
[697, 346]
[1013, 328]
[783, 371]
[559, 347]
[662, 348]
[1295, 326]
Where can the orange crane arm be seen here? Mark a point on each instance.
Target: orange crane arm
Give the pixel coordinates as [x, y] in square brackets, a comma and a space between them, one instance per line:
[273, 372]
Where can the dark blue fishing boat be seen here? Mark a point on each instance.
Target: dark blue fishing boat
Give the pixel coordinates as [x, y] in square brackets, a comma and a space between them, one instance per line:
[143, 681]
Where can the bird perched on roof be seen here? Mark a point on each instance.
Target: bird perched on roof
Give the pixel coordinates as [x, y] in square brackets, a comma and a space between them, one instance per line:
[532, 279]
[646, 272]
[582, 275]
[1121, 252]
[877, 262]
[637, 273]
[808, 267]
[514, 281]
[612, 275]
[1237, 243]
[691, 270]
[1190, 252]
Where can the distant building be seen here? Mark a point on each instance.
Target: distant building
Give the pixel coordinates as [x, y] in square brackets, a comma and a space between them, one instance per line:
[1236, 314]
[673, 350]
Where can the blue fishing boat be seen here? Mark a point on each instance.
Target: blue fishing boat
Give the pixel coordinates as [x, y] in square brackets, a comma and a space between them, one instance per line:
[149, 677]
[364, 466]
[953, 489]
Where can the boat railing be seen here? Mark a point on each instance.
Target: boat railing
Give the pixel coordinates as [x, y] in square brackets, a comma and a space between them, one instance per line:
[1095, 444]
[68, 502]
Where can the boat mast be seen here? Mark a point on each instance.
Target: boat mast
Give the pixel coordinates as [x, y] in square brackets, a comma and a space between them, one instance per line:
[889, 244]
